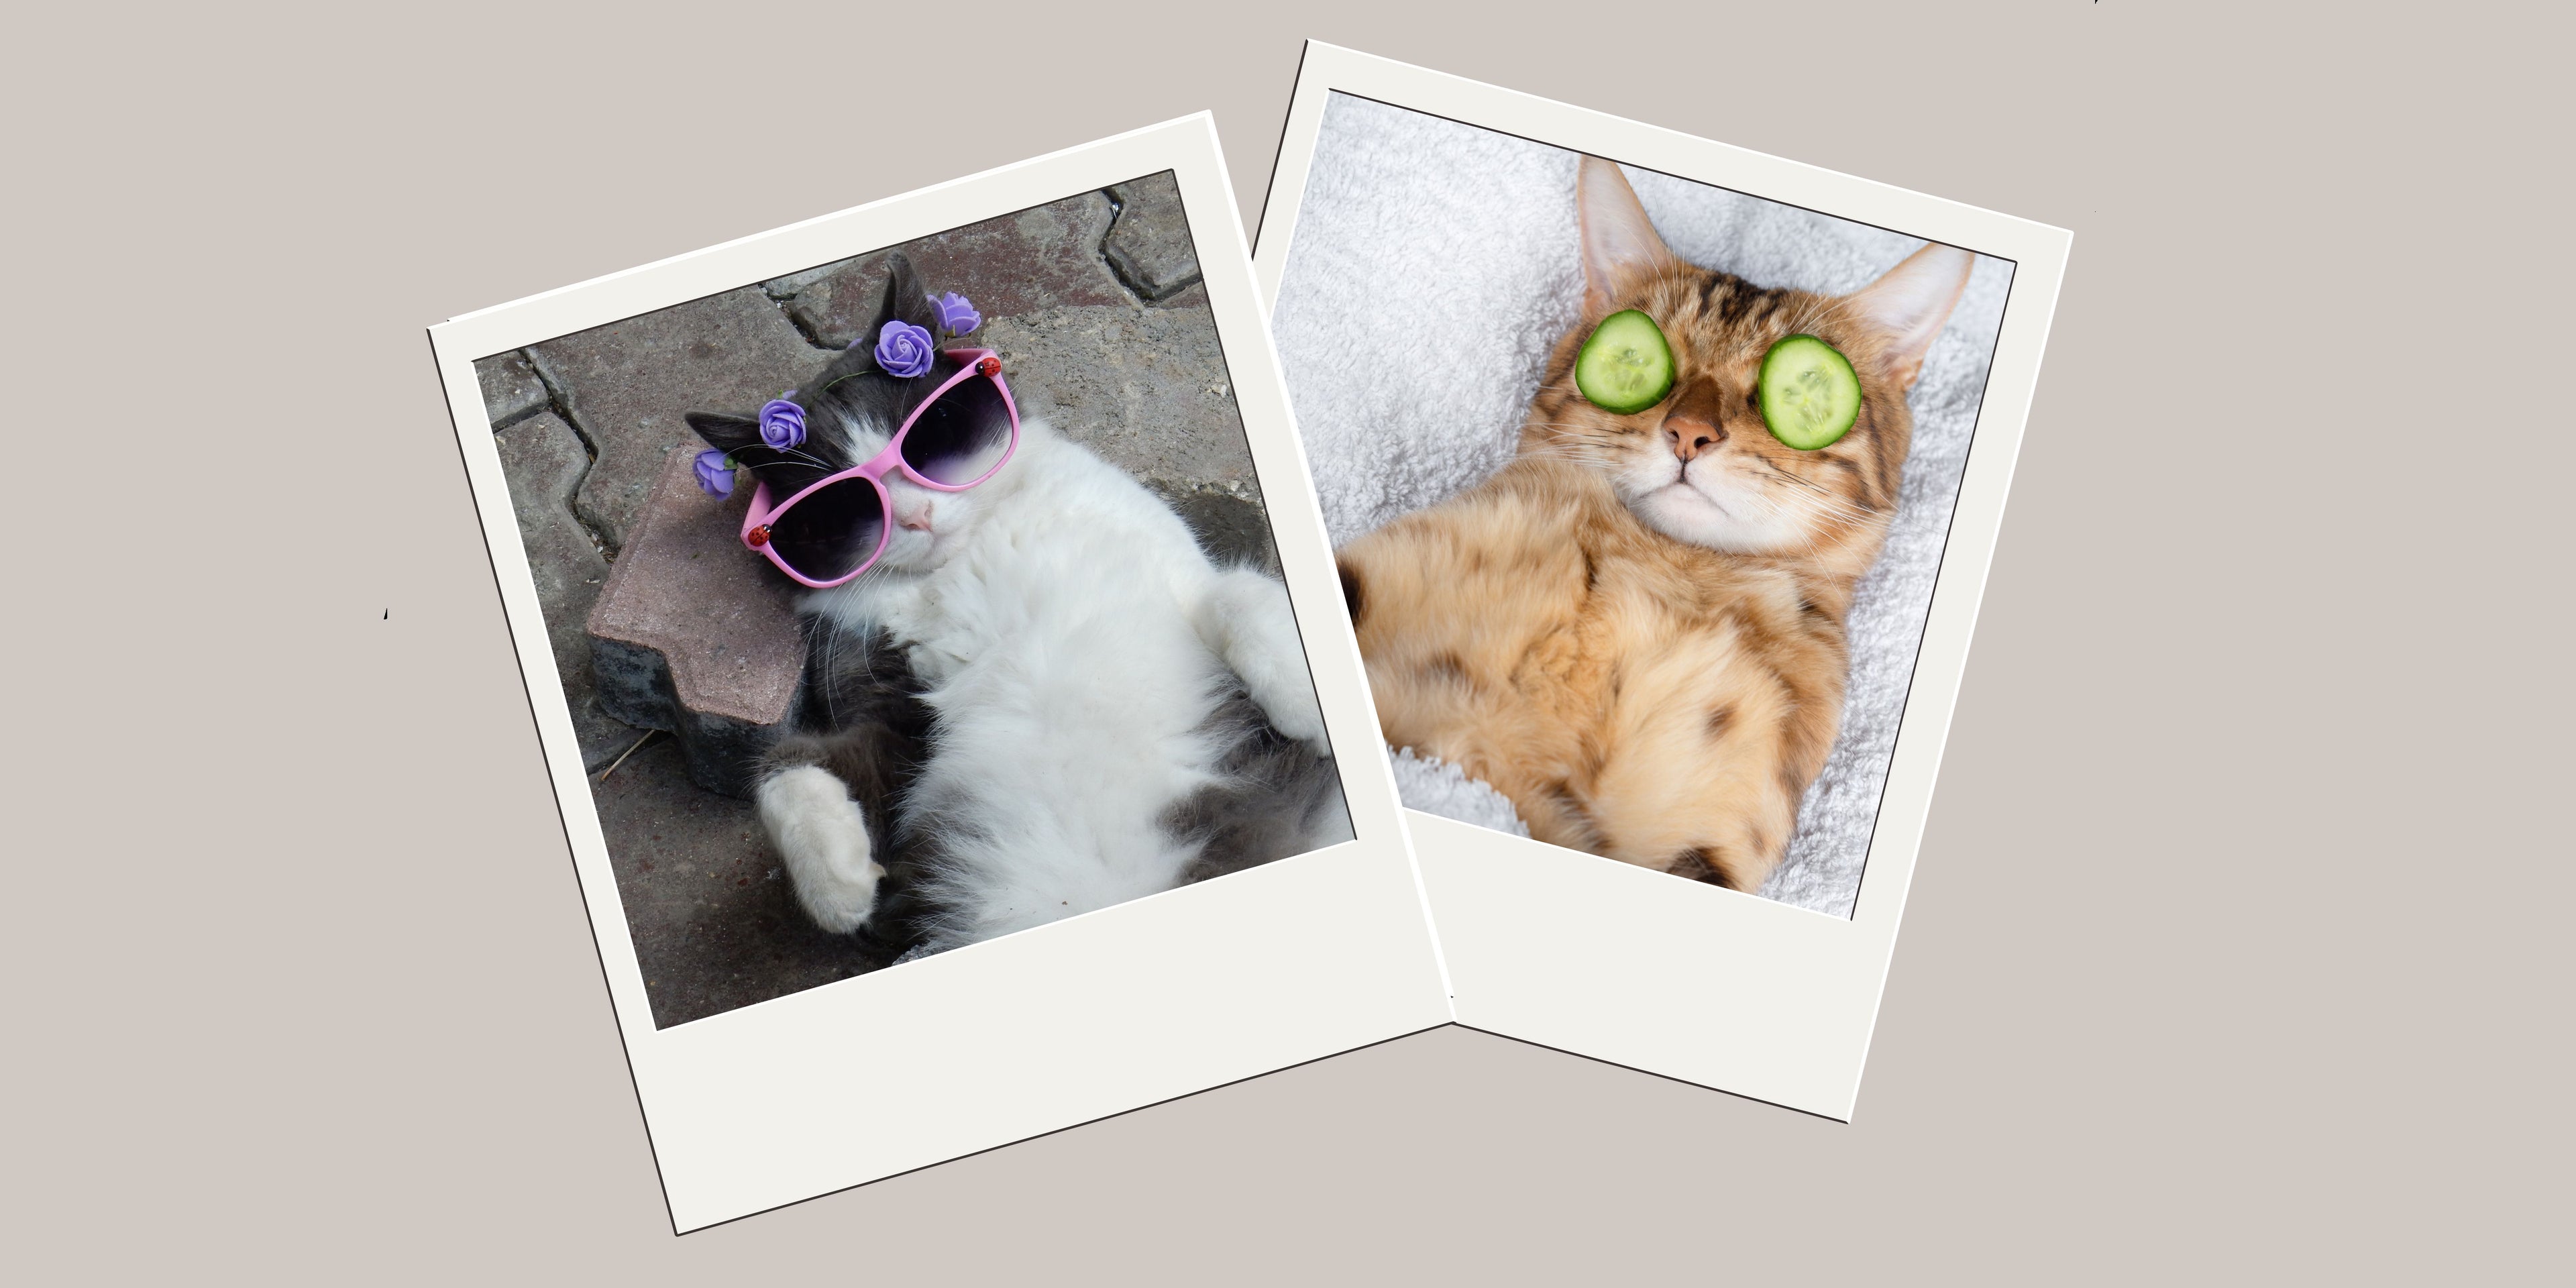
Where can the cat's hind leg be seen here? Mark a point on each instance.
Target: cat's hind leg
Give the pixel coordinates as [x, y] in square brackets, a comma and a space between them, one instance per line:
[1246, 618]
[823, 839]
[1706, 755]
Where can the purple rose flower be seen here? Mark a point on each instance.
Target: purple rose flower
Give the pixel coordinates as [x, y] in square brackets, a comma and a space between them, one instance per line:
[782, 424]
[956, 314]
[715, 473]
[903, 350]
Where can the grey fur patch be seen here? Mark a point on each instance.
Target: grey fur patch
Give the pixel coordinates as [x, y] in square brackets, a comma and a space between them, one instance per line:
[1278, 798]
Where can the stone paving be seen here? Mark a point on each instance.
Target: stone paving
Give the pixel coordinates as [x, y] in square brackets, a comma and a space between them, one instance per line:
[544, 461]
[1094, 304]
[691, 637]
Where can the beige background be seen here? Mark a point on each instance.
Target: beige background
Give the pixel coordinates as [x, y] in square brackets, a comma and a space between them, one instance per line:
[2237, 948]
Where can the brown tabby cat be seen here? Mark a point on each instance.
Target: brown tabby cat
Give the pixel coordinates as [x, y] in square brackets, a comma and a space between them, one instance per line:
[1634, 631]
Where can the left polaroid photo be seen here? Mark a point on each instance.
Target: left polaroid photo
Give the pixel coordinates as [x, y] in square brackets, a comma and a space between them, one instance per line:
[936, 649]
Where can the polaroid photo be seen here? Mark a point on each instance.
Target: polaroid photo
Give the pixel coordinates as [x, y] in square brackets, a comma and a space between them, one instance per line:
[936, 650]
[1663, 477]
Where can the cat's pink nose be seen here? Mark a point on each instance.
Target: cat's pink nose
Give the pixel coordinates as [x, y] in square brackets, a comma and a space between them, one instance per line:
[914, 515]
[1689, 438]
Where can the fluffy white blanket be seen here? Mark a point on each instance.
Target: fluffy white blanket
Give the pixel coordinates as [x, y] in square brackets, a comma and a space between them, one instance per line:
[1434, 267]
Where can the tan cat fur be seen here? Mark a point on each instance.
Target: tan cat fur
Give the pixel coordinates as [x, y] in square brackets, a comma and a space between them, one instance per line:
[1660, 701]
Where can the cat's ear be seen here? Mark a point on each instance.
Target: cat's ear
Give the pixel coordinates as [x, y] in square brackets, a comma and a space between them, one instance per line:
[1620, 245]
[904, 300]
[1911, 302]
[725, 433]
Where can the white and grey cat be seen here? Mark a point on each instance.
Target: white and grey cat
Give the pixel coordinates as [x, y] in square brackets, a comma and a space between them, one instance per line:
[1043, 699]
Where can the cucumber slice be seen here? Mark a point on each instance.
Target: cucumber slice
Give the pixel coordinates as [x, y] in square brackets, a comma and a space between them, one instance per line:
[1626, 366]
[1810, 395]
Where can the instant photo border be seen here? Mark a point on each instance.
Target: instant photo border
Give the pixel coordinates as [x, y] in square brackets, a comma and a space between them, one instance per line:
[1000, 1041]
[1607, 960]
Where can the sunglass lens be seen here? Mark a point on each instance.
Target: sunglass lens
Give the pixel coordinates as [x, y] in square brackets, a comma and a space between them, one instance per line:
[830, 533]
[962, 435]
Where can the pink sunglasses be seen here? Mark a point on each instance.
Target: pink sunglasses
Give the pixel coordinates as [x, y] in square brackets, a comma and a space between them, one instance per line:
[833, 530]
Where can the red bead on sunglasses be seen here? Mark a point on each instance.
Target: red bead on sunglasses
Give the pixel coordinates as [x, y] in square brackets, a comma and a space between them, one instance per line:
[946, 444]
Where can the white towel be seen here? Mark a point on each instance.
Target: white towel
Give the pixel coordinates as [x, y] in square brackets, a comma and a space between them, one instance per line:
[1434, 268]
[1435, 786]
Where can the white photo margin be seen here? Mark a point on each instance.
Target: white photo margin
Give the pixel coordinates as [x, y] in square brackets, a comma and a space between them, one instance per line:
[1606, 960]
[982, 1046]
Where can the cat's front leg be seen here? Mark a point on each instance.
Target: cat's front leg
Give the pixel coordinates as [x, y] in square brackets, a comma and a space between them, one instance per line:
[823, 838]
[1246, 618]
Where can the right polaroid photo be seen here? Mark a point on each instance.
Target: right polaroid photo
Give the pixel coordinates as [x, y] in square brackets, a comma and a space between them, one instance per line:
[1649, 466]
[1639, 497]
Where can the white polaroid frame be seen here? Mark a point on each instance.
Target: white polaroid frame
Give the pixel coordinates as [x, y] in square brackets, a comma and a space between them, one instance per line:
[1607, 960]
[996, 1042]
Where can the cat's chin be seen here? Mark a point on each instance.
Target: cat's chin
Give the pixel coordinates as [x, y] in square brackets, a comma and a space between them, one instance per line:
[918, 553]
[1686, 514]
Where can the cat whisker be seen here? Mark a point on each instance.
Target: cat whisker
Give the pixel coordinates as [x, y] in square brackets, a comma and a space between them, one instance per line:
[1579, 455]
[1849, 511]
[1805, 535]
[1573, 453]
[1836, 510]
[1792, 478]
[831, 654]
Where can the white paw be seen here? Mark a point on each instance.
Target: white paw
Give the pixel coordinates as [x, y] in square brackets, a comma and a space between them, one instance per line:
[1247, 617]
[823, 839]
[1295, 713]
